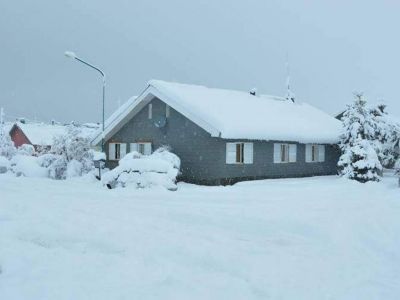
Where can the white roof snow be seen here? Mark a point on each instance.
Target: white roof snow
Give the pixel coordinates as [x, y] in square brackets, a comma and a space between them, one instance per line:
[233, 114]
[43, 134]
[123, 108]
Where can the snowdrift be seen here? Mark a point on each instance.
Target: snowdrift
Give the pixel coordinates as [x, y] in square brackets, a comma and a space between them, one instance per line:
[142, 171]
[4, 164]
[28, 166]
[315, 238]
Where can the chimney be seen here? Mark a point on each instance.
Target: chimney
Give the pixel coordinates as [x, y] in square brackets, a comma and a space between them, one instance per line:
[253, 92]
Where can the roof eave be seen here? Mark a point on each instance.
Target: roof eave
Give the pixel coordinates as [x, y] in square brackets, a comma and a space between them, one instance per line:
[154, 91]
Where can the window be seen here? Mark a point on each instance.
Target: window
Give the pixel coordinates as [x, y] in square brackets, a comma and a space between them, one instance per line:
[150, 111]
[239, 153]
[142, 147]
[167, 111]
[285, 153]
[315, 153]
[116, 151]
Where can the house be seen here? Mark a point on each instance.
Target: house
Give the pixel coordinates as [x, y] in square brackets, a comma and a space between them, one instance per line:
[224, 136]
[42, 134]
[35, 134]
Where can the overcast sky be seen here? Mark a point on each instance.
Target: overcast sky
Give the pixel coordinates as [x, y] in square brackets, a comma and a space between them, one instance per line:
[335, 48]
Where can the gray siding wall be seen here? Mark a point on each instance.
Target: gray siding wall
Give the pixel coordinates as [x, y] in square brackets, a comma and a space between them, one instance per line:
[203, 157]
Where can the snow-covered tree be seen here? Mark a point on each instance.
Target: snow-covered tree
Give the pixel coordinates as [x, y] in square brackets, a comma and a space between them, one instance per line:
[42, 149]
[70, 155]
[7, 148]
[360, 162]
[359, 159]
[386, 135]
[392, 149]
[397, 168]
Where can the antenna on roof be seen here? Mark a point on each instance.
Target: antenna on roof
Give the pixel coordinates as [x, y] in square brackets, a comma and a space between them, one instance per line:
[289, 94]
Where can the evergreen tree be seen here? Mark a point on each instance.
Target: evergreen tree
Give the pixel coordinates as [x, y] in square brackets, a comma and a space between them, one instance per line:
[359, 159]
[386, 135]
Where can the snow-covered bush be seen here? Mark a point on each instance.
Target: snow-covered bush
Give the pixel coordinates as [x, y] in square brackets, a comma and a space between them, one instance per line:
[46, 160]
[397, 170]
[97, 155]
[42, 149]
[397, 167]
[74, 168]
[7, 148]
[26, 165]
[141, 171]
[26, 149]
[70, 155]
[164, 153]
[4, 164]
[58, 167]
[359, 159]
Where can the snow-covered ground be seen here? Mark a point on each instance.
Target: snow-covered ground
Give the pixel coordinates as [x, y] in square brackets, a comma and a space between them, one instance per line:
[311, 238]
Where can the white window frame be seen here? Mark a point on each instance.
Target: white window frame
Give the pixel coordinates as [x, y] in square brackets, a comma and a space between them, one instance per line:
[167, 111]
[285, 153]
[315, 153]
[321, 153]
[150, 111]
[116, 151]
[239, 153]
[144, 148]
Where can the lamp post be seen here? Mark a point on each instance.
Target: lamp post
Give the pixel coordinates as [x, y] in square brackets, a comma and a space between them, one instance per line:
[72, 55]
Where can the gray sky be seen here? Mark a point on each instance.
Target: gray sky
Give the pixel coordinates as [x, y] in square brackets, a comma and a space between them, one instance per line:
[335, 48]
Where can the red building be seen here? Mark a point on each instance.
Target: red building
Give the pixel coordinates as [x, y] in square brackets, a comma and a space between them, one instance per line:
[18, 136]
[35, 134]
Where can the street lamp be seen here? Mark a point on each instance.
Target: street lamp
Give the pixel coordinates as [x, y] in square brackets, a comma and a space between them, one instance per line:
[72, 55]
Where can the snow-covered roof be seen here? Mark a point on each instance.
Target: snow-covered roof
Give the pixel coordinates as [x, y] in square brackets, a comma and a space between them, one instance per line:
[234, 114]
[88, 130]
[43, 134]
[117, 113]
